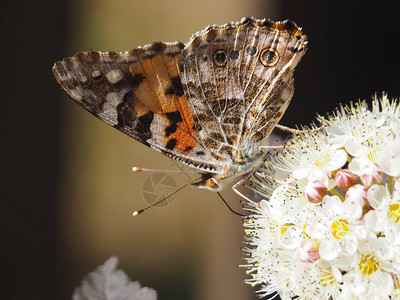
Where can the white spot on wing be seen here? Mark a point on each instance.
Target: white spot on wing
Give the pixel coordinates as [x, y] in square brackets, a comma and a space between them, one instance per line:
[157, 128]
[114, 76]
[95, 73]
[105, 57]
[63, 77]
[76, 94]
[110, 106]
[83, 79]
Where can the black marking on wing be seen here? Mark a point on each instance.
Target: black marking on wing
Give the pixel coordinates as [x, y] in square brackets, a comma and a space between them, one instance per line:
[171, 144]
[174, 117]
[176, 88]
[143, 127]
[172, 128]
[126, 115]
[134, 80]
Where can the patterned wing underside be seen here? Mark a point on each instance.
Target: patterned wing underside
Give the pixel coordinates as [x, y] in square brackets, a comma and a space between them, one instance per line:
[235, 93]
[207, 103]
[139, 92]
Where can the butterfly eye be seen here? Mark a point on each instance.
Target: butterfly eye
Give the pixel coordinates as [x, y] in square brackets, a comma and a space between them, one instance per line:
[234, 54]
[269, 57]
[251, 50]
[220, 58]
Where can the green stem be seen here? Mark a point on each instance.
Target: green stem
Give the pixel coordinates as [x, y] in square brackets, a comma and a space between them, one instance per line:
[336, 193]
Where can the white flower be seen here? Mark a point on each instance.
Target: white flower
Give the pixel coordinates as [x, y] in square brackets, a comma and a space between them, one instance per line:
[322, 158]
[385, 216]
[108, 282]
[331, 225]
[335, 226]
[389, 158]
[371, 273]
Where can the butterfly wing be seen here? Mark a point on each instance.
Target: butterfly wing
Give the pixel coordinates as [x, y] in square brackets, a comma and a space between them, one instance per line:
[238, 81]
[268, 82]
[208, 103]
[139, 92]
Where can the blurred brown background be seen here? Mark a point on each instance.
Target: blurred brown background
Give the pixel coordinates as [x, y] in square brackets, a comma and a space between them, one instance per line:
[68, 189]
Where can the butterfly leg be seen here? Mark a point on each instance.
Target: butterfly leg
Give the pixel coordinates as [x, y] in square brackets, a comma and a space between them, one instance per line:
[277, 147]
[293, 131]
[234, 188]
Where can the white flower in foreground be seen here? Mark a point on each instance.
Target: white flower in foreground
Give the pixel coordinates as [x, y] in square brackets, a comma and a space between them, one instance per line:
[106, 282]
[331, 226]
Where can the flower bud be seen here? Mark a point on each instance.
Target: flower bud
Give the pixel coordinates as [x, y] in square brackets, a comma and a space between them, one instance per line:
[358, 193]
[371, 174]
[345, 179]
[315, 191]
[308, 251]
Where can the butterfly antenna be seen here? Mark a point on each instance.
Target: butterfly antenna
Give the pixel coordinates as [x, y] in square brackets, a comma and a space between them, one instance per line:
[139, 211]
[137, 169]
[230, 208]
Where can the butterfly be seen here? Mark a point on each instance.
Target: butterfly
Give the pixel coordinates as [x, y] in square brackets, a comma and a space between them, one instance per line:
[209, 103]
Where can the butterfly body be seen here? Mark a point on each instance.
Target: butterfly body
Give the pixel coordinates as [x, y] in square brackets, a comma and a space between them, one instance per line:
[209, 103]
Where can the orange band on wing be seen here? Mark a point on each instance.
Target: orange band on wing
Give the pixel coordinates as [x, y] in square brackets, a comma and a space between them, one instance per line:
[182, 136]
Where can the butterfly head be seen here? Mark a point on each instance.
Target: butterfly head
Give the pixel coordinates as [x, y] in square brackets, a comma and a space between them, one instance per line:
[230, 173]
[213, 183]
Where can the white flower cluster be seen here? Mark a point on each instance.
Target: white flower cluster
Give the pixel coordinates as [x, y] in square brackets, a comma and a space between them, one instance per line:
[331, 226]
